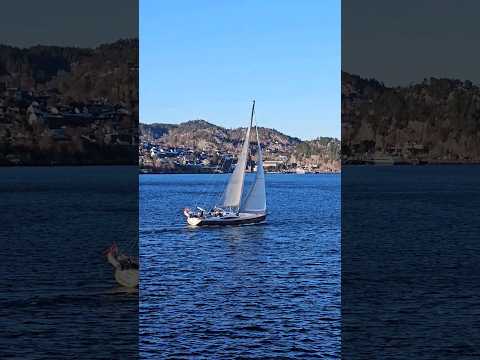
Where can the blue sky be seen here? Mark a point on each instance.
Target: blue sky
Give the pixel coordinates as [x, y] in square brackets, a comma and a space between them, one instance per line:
[209, 58]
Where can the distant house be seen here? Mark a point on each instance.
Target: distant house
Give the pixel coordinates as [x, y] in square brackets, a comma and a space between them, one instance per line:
[272, 165]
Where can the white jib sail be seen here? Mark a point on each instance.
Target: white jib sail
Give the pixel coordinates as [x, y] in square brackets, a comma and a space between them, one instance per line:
[256, 200]
[233, 193]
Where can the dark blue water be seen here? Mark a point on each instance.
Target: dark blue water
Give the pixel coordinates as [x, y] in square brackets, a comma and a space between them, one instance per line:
[58, 297]
[411, 262]
[258, 291]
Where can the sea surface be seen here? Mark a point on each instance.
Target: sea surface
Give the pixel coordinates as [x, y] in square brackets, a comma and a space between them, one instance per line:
[269, 291]
[411, 262]
[58, 296]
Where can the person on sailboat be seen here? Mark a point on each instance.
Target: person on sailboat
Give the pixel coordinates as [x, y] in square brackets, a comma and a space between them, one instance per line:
[189, 213]
[216, 212]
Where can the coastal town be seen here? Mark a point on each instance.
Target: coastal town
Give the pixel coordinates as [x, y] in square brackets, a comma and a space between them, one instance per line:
[200, 147]
[44, 120]
[69, 106]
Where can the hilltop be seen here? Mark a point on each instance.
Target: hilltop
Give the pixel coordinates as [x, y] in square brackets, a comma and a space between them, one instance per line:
[437, 120]
[80, 74]
[202, 135]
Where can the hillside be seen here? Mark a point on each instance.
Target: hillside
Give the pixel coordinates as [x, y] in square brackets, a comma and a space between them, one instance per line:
[203, 136]
[437, 120]
[67, 105]
[79, 74]
[326, 148]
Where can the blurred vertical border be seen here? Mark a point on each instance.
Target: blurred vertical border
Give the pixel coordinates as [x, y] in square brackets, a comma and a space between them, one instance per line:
[68, 178]
[410, 180]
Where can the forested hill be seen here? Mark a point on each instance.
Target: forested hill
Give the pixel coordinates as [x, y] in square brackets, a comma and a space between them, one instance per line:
[200, 134]
[204, 136]
[80, 74]
[435, 120]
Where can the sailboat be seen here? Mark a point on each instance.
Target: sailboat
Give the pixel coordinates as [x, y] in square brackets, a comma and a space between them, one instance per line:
[235, 208]
[125, 267]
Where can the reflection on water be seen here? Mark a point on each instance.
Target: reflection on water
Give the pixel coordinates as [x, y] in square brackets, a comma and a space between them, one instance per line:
[267, 290]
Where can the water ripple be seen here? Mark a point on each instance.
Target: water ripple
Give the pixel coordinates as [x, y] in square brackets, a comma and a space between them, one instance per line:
[256, 292]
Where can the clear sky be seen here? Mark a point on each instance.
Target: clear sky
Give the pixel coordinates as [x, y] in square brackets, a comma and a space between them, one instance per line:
[403, 42]
[209, 58]
[86, 23]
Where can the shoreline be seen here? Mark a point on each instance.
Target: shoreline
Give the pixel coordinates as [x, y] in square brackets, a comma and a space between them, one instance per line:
[150, 171]
[143, 172]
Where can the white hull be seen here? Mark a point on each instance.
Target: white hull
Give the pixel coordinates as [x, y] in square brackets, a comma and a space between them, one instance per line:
[127, 278]
[242, 218]
[126, 275]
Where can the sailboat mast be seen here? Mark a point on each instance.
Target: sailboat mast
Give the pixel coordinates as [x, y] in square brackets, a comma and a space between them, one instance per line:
[251, 126]
[253, 113]
[255, 201]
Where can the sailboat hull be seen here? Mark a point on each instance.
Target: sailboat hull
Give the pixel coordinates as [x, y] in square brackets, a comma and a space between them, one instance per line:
[241, 219]
[128, 277]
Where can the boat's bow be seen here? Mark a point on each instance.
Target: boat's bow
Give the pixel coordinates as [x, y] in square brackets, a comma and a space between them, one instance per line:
[194, 221]
[125, 267]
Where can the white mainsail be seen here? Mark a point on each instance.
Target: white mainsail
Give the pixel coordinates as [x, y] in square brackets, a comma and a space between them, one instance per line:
[256, 201]
[233, 193]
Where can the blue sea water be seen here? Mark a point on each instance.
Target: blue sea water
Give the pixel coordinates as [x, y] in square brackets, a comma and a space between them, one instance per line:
[258, 291]
[411, 262]
[58, 297]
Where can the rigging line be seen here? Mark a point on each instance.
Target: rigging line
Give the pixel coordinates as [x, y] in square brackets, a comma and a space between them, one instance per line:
[201, 197]
[207, 190]
[131, 244]
[224, 182]
[256, 161]
[213, 184]
[130, 248]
